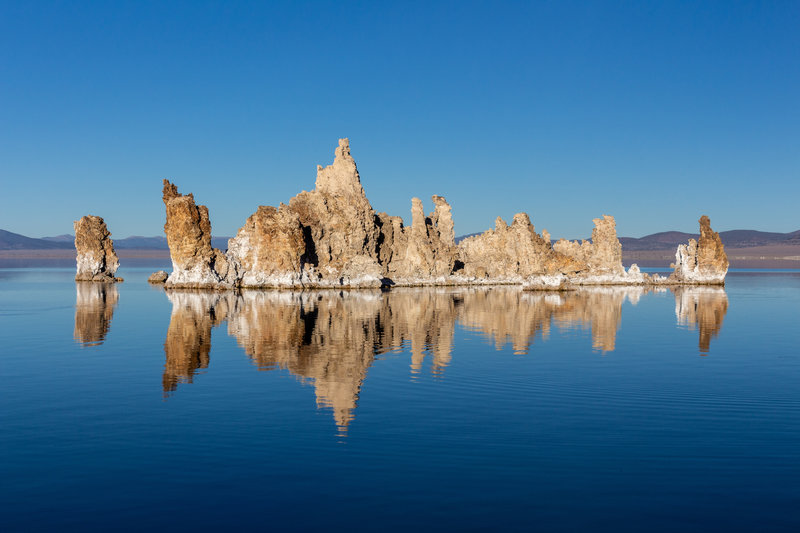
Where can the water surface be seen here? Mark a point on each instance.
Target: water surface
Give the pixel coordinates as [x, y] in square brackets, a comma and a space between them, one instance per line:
[127, 407]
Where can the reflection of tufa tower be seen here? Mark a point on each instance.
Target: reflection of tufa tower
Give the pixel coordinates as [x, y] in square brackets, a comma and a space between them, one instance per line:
[94, 308]
[189, 335]
[331, 339]
[704, 307]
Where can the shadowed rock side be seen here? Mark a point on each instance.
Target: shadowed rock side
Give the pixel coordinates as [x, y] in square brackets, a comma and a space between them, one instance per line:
[331, 237]
[703, 261]
[96, 259]
[703, 308]
[195, 263]
[94, 309]
[331, 339]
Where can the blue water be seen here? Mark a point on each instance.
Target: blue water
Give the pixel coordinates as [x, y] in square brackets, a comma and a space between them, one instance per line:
[124, 408]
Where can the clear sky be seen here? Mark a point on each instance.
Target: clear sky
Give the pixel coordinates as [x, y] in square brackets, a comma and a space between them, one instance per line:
[654, 112]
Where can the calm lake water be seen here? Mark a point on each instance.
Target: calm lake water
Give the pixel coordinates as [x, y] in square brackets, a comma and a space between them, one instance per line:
[129, 408]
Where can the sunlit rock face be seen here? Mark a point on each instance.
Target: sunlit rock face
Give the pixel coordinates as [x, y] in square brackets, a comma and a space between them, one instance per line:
[513, 254]
[195, 264]
[701, 262]
[340, 226]
[269, 249]
[96, 258]
[330, 339]
[423, 253]
[603, 254]
[157, 278]
[94, 309]
[703, 308]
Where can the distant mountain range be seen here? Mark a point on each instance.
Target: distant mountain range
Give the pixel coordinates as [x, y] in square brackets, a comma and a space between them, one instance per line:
[15, 241]
[666, 240]
[669, 240]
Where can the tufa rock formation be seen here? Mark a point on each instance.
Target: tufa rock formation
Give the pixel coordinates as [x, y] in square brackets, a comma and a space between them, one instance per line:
[96, 258]
[603, 255]
[194, 262]
[702, 262]
[269, 249]
[513, 254]
[339, 225]
[158, 277]
[423, 253]
[331, 237]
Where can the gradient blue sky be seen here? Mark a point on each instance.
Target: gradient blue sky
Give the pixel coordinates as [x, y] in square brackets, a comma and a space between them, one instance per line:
[653, 112]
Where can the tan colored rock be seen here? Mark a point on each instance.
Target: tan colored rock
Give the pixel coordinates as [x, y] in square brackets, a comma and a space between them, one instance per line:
[702, 262]
[158, 277]
[269, 249]
[96, 258]
[340, 225]
[513, 253]
[195, 264]
[603, 255]
[423, 253]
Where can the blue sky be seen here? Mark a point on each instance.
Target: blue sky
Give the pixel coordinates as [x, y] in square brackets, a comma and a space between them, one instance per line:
[655, 112]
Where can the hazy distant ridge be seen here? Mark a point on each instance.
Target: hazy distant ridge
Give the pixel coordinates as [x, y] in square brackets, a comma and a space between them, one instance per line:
[15, 241]
[665, 240]
[669, 240]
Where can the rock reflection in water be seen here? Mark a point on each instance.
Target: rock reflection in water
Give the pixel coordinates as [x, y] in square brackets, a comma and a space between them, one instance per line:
[330, 339]
[704, 308]
[94, 308]
[189, 335]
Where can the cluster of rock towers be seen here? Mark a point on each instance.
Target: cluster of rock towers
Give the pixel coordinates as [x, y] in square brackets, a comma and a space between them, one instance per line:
[331, 237]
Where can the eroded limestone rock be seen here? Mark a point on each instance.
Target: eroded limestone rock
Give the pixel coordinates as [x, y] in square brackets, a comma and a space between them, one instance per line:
[513, 254]
[269, 249]
[339, 224]
[195, 264]
[603, 254]
[702, 262]
[331, 237]
[423, 253]
[96, 258]
[158, 277]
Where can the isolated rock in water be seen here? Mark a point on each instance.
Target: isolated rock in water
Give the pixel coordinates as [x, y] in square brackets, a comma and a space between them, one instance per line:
[96, 258]
[269, 249]
[603, 255]
[194, 262]
[158, 277]
[513, 253]
[703, 261]
[340, 226]
[423, 252]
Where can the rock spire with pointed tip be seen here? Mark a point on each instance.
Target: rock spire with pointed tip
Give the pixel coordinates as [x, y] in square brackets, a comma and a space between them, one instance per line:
[195, 264]
[702, 262]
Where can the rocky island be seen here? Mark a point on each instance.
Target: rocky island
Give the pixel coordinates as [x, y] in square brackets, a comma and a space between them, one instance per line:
[96, 259]
[331, 237]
